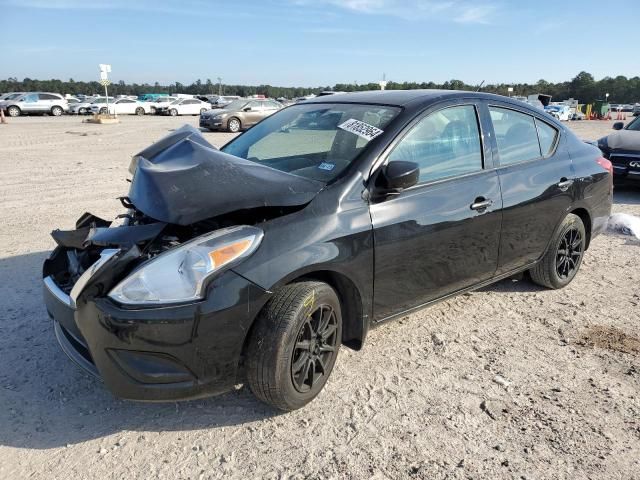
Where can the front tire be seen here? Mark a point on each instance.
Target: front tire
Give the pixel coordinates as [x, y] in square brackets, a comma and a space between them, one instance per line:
[562, 261]
[234, 125]
[294, 345]
[173, 112]
[103, 111]
[139, 111]
[13, 111]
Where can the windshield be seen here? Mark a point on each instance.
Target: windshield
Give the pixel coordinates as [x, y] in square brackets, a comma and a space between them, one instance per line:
[13, 95]
[236, 105]
[175, 102]
[313, 141]
[102, 100]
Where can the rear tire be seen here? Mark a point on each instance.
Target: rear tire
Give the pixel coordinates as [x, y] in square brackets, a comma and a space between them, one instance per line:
[234, 125]
[103, 111]
[56, 111]
[14, 111]
[562, 261]
[294, 345]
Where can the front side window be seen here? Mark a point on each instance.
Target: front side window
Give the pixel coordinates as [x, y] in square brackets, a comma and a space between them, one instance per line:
[516, 136]
[444, 144]
[312, 141]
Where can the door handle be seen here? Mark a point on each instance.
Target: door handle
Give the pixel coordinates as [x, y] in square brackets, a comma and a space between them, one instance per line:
[564, 184]
[480, 204]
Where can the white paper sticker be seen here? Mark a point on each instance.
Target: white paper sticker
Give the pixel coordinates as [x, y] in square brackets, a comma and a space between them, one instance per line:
[362, 129]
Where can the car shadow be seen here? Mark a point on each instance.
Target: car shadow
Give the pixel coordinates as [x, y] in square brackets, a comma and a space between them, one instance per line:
[46, 401]
[520, 283]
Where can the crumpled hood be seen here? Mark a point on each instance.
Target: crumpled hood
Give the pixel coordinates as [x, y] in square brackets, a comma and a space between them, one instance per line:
[182, 179]
[624, 140]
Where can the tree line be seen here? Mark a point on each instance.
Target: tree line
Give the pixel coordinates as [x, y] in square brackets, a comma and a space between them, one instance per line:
[583, 87]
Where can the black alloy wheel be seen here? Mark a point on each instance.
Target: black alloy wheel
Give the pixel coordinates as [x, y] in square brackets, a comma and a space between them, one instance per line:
[294, 344]
[569, 253]
[314, 349]
[564, 256]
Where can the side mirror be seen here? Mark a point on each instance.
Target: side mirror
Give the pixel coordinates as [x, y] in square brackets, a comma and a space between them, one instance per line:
[618, 126]
[246, 109]
[395, 177]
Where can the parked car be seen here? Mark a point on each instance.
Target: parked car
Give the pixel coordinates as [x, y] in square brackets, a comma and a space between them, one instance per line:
[84, 106]
[636, 110]
[221, 101]
[256, 262]
[36, 102]
[150, 97]
[184, 106]
[622, 148]
[561, 112]
[155, 105]
[8, 97]
[239, 114]
[122, 106]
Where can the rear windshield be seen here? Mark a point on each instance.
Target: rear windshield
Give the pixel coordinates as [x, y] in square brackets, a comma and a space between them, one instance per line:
[316, 141]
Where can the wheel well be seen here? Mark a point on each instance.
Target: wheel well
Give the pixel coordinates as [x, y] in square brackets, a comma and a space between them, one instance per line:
[586, 220]
[350, 303]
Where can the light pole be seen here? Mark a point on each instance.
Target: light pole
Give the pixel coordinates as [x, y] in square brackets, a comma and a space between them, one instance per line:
[104, 80]
[219, 85]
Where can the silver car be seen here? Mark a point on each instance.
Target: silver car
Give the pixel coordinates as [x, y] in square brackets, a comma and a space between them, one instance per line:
[36, 102]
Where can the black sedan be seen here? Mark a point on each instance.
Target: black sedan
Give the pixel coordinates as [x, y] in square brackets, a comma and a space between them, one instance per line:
[257, 262]
[622, 148]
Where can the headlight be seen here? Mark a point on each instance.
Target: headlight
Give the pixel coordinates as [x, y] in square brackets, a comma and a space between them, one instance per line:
[218, 117]
[179, 274]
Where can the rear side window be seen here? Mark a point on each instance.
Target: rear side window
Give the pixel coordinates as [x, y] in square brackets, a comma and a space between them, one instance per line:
[516, 136]
[48, 96]
[444, 144]
[547, 135]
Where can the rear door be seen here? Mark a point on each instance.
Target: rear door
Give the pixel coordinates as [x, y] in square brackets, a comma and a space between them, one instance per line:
[537, 182]
[441, 235]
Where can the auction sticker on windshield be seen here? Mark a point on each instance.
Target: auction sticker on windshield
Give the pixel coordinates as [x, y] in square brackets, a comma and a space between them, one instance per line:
[362, 129]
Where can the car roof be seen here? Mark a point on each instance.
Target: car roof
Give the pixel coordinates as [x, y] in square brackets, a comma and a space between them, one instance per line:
[400, 98]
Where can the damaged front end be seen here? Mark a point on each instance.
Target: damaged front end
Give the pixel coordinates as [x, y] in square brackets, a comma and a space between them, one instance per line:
[150, 302]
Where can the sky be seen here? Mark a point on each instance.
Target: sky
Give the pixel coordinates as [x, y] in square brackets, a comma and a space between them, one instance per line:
[318, 42]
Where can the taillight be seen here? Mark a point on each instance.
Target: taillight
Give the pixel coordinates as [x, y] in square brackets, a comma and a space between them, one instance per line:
[606, 164]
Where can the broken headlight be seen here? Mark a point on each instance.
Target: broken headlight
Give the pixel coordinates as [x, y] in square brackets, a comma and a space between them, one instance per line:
[179, 274]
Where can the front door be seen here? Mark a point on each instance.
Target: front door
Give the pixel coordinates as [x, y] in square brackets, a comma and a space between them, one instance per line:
[441, 235]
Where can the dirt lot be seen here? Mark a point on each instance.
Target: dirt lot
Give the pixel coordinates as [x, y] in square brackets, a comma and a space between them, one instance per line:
[511, 381]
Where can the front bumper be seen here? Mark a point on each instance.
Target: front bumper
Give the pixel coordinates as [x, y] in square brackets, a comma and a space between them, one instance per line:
[210, 123]
[626, 167]
[162, 353]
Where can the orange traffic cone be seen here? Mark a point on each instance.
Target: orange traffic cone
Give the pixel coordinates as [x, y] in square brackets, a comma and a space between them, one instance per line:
[2, 119]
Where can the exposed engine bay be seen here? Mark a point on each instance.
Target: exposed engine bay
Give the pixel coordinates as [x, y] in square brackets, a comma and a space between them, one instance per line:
[182, 188]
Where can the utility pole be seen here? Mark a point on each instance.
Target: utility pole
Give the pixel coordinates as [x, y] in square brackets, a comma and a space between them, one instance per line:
[219, 85]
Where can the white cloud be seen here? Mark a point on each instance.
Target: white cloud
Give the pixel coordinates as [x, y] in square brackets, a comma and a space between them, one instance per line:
[460, 11]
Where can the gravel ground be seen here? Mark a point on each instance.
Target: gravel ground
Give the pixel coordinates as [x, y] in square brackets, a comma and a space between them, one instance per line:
[511, 381]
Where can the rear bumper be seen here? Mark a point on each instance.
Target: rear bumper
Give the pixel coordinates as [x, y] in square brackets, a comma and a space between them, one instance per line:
[159, 354]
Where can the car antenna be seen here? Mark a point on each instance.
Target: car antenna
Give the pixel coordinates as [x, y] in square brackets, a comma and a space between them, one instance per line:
[480, 86]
